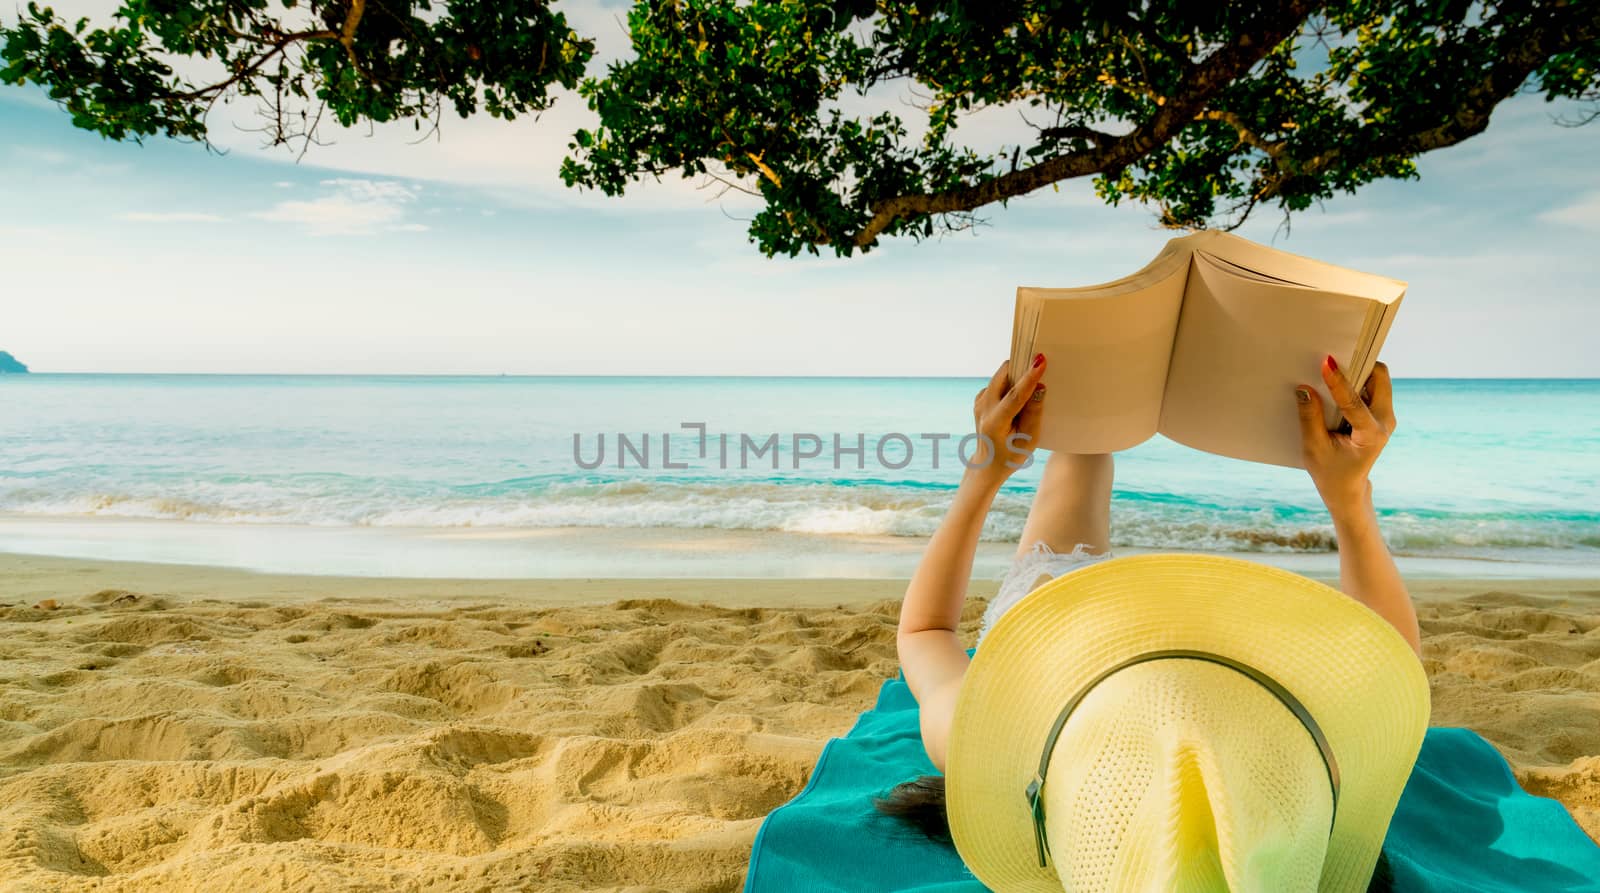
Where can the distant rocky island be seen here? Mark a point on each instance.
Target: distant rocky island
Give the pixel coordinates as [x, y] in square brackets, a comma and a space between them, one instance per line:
[10, 364]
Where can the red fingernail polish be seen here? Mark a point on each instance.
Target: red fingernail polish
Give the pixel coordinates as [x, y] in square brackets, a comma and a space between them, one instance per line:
[1331, 364]
[1038, 360]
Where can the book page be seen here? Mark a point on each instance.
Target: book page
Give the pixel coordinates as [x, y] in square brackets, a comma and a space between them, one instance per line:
[1242, 345]
[1293, 268]
[1106, 362]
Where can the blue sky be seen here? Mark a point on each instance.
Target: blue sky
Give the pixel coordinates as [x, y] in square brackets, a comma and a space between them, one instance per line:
[467, 255]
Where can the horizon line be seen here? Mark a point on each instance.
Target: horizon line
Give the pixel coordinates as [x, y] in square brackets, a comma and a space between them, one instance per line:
[674, 375]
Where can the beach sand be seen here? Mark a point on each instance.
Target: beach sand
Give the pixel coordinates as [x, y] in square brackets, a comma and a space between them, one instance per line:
[187, 728]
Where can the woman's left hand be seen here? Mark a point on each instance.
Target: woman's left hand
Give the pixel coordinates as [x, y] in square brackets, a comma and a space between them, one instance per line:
[1007, 418]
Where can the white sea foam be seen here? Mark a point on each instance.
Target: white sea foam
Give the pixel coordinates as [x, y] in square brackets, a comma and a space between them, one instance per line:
[1139, 520]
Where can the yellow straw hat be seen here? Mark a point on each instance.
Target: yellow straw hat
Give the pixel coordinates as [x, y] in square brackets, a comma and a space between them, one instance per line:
[1185, 723]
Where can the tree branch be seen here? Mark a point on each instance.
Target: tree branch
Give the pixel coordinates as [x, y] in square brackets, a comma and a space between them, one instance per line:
[769, 173]
[1272, 147]
[1201, 82]
[1566, 28]
[347, 36]
[277, 46]
[1070, 131]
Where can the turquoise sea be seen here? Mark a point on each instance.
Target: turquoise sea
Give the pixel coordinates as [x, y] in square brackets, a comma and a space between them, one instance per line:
[1479, 470]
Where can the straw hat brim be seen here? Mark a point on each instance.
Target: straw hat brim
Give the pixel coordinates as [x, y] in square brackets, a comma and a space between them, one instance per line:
[1351, 669]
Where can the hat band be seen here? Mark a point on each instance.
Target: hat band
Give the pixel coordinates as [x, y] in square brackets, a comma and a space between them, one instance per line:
[1036, 786]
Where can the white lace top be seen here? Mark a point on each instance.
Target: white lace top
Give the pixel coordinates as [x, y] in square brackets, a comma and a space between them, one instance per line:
[1028, 570]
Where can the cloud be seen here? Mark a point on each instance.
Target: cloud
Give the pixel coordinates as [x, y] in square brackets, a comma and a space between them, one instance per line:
[1338, 218]
[30, 95]
[169, 217]
[352, 207]
[40, 155]
[1585, 212]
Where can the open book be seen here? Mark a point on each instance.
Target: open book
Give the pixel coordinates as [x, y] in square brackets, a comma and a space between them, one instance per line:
[1204, 346]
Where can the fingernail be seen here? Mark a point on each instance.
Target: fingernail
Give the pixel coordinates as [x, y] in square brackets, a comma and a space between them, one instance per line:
[1331, 364]
[1038, 360]
[1038, 393]
[1303, 395]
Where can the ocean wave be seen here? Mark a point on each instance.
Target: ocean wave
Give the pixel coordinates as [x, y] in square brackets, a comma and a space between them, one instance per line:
[1139, 519]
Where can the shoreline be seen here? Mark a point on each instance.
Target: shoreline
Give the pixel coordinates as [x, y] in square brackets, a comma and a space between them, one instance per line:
[25, 576]
[520, 553]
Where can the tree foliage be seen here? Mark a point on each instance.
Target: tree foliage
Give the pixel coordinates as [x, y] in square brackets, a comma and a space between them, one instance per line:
[361, 60]
[1204, 111]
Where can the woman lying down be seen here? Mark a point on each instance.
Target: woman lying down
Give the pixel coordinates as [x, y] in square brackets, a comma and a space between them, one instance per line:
[1163, 721]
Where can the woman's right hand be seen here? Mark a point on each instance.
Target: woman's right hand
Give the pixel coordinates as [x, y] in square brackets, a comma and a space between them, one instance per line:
[1339, 462]
[1007, 416]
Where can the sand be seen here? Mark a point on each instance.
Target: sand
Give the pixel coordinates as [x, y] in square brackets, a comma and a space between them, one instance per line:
[176, 728]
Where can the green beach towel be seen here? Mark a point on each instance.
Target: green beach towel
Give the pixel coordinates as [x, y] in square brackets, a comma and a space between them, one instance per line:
[1463, 823]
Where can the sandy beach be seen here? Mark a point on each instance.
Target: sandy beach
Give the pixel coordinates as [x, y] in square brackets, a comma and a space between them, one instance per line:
[190, 728]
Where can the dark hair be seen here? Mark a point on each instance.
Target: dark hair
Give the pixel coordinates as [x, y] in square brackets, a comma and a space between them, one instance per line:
[919, 803]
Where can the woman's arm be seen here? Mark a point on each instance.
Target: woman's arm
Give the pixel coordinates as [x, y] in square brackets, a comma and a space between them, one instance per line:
[1338, 464]
[1367, 570]
[938, 588]
[930, 651]
[1007, 421]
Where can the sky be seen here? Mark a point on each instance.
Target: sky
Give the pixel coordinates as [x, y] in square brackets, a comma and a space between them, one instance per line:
[467, 255]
